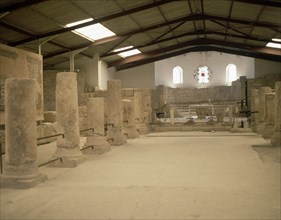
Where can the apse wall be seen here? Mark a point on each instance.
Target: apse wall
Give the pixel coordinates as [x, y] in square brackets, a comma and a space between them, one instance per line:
[216, 61]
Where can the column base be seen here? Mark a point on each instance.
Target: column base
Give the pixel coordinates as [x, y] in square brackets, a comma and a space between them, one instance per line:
[276, 138]
[131, 132]
[143, 129]
[116, 138]
[260, 127]
[268, 131]
[21, 181]
[69, 158]
[241, 130]
[100, 145]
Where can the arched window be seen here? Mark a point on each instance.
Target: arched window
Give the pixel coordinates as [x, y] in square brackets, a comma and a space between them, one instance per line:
[177, 75]
[231, 73]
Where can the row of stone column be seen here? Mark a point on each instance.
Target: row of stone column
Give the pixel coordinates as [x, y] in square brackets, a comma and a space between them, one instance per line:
[20, 170]
[267, 119]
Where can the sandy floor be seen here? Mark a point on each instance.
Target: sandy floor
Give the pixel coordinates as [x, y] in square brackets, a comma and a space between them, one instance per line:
[192, 175]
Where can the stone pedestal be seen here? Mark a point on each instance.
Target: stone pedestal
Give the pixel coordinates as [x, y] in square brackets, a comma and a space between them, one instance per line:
[276, 137]
[20, 170]
[95, 118]
[67, 121]
[129, 125]
[114, 113]
[261, 123]
[269, 115]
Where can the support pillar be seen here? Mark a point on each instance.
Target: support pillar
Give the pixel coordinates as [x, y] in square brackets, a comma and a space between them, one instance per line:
[139, 111]
[269, 115]
[95, 118]
[261, 123]
[67, 121]
[172, 115]
[114, 112]
[20, 170]
[276, 137]
[129, 122]
[254, 99]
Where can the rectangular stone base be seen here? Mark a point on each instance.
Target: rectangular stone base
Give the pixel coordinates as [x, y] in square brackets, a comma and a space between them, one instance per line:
[117, 138]
[21, 182]
[268, 131]
[276, 139]
[241, 130]
[69, 158]
[99, 143]
[260, 127]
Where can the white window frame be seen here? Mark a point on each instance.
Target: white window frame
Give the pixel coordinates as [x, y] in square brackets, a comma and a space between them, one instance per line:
[230, 76]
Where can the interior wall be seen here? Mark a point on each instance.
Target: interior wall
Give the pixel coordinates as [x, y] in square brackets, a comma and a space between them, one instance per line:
[216, 61]
[138, 77]
[266, 67]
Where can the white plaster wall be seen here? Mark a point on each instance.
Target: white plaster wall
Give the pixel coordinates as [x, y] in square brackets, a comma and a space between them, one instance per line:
[265, 67]
[216, 61]
[138, 77]
[105, 74]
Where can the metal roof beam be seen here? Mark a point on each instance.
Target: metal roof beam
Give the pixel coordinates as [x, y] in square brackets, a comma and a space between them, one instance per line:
[197, 49]
[261, 2]
[18, 4]
[195, 42]
[95, 21]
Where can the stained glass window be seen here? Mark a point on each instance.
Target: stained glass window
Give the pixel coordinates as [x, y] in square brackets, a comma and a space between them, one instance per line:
[203, 74]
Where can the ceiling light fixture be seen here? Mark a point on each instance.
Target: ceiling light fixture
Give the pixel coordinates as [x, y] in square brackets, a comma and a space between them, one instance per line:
[91, 32]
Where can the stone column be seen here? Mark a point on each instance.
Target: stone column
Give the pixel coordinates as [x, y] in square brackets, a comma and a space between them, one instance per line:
[276, 137]
[269, 115]
[114, 112]
[139, 111]
[261, 124]
[129, 122]
[20, 170]
[95, 118]
[67, 121]
[172, 115]
[254, 99]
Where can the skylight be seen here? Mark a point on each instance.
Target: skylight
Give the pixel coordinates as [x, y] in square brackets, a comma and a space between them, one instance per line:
[127, 53]
[123, 48]
[275, 45]
[91, 32]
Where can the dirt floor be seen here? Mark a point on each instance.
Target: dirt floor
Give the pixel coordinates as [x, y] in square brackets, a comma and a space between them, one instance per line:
[170, 175]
